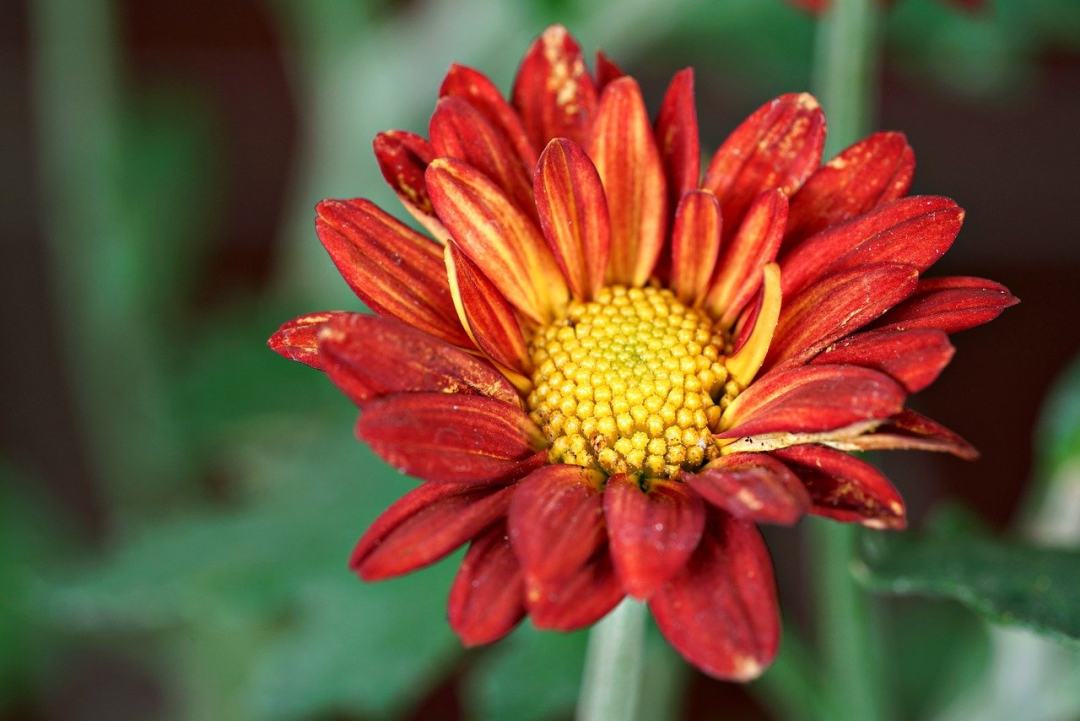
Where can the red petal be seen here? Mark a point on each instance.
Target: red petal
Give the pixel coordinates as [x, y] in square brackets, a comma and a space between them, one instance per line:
[720, 612]
[556, 521]
[577, 601]
[835, 306]
[914, 357]
[393, 269]
[950, 305]
[458, 130]
[606, 71]
[369, 357]
[553, 91]
[486, 600]
[677, 136]
[738, 274]
[913, 231]
[651, 533]
[298, 339]
[503, 242]
[573, 214]
[871, 172]
[811, 399]
[778, 146]
[695, 245]
[452, 439]
[844, 488]
[425, 525]
[474, 86]
[624, 150]
[752, 486]
[402, 158]
[909, 430]
[491, 319]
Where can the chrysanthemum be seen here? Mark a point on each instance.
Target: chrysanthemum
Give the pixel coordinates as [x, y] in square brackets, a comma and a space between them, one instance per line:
[606, 369]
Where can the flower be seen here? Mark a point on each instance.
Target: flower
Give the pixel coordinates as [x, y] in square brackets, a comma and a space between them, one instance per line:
[606, 370]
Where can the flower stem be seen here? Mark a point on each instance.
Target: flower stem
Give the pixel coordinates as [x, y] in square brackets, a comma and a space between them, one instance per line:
[845, 75]
[613, 665]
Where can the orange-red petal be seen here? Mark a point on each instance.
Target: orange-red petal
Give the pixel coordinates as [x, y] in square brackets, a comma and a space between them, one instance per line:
[909, 430]
[914, 357]
[498, 237]
[392, 268]
[451, 438]
[720, 612]
[573, 214]
[677, 136]
[298, 339]
[579, 600]
[553, 91]
[950, 304]
[752, 486]
[474, 86]
[606, 71]
[487, 598]
[651, 531]
[695, 245]
[402, 157]
[623, 147]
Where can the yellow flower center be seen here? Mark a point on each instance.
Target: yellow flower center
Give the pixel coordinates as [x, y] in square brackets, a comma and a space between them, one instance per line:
[632, 381]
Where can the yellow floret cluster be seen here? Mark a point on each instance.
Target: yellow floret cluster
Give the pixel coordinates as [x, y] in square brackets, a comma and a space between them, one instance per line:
[631, 381]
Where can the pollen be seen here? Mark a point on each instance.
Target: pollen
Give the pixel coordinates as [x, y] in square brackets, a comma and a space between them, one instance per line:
[630, 382]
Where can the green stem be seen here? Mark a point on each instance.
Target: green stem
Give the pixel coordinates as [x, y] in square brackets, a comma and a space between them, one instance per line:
[845, 79]
[613, 665]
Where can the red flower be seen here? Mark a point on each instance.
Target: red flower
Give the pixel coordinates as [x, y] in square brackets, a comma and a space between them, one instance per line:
[606, 370]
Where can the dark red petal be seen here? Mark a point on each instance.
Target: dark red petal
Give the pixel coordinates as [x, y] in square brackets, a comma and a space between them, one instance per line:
[424, 526]
[844, 488]
[487, 598]
[752, 486]
[677, 136]
[556, 521]
[909, 430]
[835, 306]
[579, 600]
[298, 339]
[950, 305]
[606, 71]
[392, 268]
[451, 438]
[474, 86]
[811, 399]
[367, 357]
[458, 130]
[871, 172]
[913, 231]
[913, 357]
[553, 91]
[778, 146]
[720, 612]
[402, 158]
[651, 532]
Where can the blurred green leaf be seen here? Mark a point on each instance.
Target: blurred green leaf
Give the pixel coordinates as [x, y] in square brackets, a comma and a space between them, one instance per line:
[1058, 434]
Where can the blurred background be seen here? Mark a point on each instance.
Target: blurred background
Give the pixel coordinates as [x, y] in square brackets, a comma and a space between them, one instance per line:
[178, 503]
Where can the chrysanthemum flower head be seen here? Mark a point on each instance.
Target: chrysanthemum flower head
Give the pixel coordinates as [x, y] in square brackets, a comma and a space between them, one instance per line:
[606, 368]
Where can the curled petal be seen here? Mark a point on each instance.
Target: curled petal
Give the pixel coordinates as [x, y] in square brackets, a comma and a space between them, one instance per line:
[844, 488]
[573, 214]
[583, 598]
[652, 531]
[487, 598]
[624, 150]
[367, 357]
[754, 341]
[909, 430]
[778, 146]
[487, 316]
[835, 306]
[425, 525]
[451, 438]
[474, 86]
[950, 305]
[496, 236]
[873, 171]
[914, 357]
[752, 486]
[393, 269]
[556, 522]
[738, 274]
[913, 231]
[677, 136]
[402, 158]
[553, 91]
[298, 339]
[720, 611]
[811, 399]
[695, 245]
